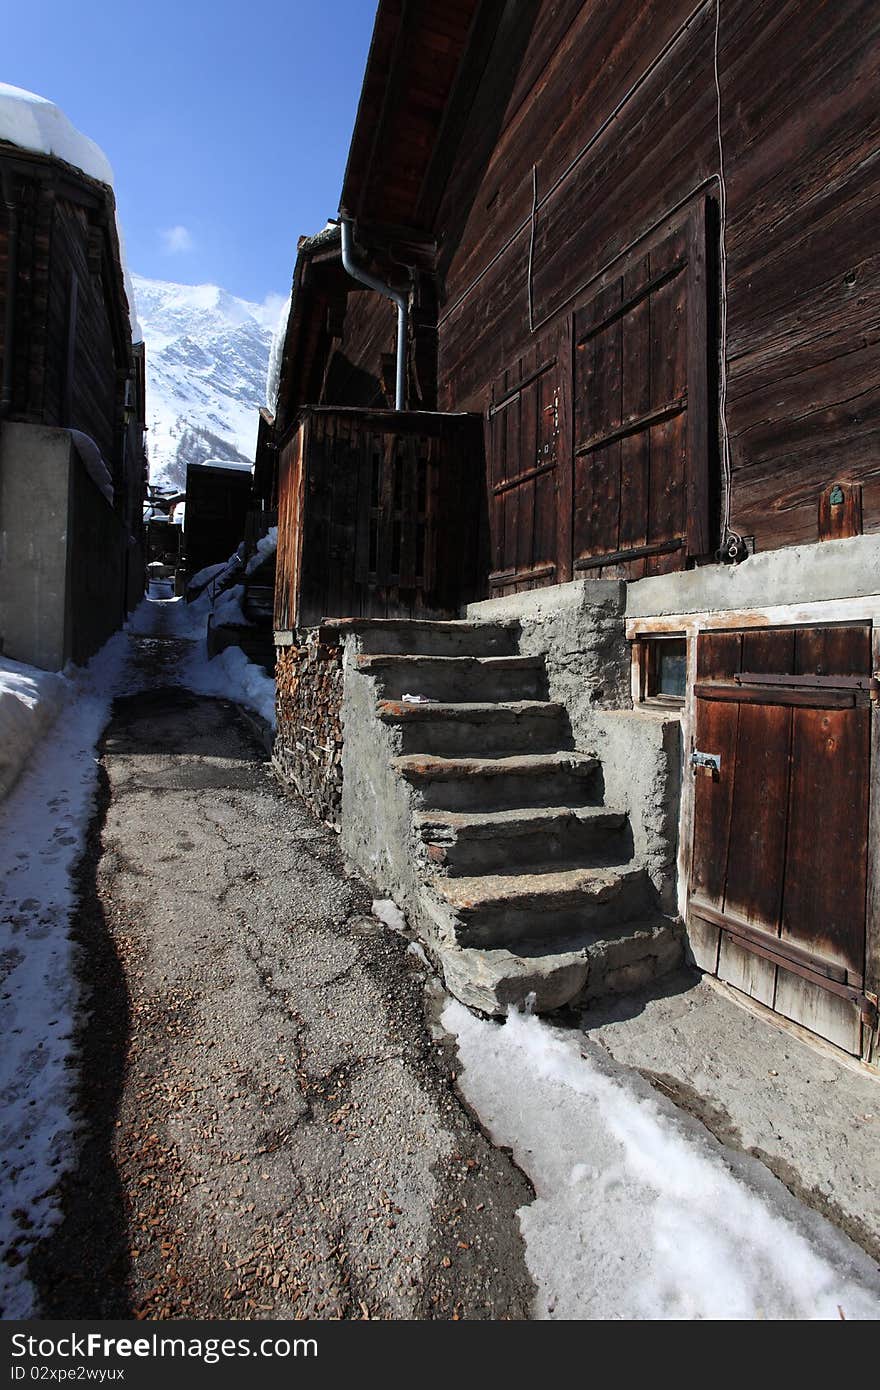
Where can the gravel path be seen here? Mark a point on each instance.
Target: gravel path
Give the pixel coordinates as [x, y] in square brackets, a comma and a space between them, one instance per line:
[270, 1129]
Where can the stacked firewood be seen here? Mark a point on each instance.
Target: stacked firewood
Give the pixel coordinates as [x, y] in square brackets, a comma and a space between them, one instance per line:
[308, 742]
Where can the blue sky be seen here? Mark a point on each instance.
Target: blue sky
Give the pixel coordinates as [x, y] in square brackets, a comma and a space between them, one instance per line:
[227, 123]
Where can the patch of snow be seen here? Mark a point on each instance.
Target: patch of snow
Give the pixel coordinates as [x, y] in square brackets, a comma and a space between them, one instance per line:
[229, 675]
[204, 576]
[387, 911]
[266, 546]
[43, 824]
[34, 123]
[228, 611]
[636, 1215]
[276, 350]
[235, 465]
[94, 463]
[30, 702]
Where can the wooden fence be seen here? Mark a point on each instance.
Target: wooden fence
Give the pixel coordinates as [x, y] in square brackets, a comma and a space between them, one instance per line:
[378, 516]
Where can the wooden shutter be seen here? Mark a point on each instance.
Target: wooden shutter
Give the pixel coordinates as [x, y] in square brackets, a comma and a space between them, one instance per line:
[641, 410]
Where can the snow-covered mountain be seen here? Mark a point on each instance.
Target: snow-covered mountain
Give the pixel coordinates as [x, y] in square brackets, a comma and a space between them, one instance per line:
[207, 355]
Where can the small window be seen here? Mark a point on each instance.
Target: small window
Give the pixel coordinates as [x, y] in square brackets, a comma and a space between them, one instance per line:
[665, 670]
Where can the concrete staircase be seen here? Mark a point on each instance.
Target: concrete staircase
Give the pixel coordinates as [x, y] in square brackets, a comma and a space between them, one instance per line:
[521, 880]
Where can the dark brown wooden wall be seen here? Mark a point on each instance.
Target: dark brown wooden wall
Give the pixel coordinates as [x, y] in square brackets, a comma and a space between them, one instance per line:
[800, 116]
[68, 368]
[378, 516]
[800, 120]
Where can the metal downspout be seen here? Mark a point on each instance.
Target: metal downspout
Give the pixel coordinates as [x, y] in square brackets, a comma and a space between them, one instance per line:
[11, 272]
[357, 272]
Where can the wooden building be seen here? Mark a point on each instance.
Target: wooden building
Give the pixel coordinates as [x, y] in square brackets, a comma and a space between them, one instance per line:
[72, 458]
[638, 244]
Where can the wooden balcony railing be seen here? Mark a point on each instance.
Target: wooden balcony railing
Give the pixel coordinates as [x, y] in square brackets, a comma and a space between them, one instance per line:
[378, 516]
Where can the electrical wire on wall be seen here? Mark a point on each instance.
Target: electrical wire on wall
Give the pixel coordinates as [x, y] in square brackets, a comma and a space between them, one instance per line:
[732, 545]
[532, 247]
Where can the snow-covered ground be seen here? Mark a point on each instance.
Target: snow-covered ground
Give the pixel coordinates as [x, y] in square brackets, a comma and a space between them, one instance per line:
[638, 1213]
[43, 824]
[30, 702]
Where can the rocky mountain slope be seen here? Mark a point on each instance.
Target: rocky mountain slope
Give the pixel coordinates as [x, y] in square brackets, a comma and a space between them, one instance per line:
[207, 355]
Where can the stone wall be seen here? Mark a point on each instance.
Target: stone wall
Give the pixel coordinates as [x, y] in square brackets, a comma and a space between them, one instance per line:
[580, 630]
[308, 709]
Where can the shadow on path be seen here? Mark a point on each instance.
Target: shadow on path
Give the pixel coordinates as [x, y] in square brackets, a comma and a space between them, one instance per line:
[82, 1269]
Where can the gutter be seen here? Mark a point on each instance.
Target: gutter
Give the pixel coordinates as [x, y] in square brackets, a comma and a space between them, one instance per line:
[11, 273]
[357, 272]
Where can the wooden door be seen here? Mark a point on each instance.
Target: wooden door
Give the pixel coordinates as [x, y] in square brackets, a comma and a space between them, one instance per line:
[779, 866]
[641, 437]
[529, 452]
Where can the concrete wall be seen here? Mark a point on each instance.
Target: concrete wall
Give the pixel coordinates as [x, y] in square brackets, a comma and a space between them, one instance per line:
[34, 524]
[797, 575]
[579, 629]
[377, 805]
[63, 551]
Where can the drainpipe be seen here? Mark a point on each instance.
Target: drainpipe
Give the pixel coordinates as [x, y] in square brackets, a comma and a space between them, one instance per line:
[357, 272]
[11, 271]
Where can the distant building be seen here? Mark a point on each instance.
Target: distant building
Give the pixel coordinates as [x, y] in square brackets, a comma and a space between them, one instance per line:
[219, 497]
[72, 458]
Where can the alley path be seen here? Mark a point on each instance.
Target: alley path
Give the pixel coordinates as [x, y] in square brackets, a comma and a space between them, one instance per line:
[270, 1129]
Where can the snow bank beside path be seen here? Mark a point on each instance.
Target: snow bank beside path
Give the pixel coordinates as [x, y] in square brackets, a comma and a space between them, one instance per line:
[30, 702]
[637, 1215]
[43, 824]
[229, 676]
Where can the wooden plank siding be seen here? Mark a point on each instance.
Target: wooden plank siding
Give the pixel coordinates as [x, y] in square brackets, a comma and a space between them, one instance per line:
[71, 344]
[780, 847]
[378, 516]
[616, 158]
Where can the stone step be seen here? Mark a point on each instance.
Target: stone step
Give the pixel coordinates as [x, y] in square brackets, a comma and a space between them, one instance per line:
[507, 909]
[504, 842]
[454, 678]
[499, 784]
[546, 976]
[427, 637]
[447, 731]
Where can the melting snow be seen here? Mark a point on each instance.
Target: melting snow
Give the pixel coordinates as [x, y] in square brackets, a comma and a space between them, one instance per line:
[637, 1215]
[43, 824]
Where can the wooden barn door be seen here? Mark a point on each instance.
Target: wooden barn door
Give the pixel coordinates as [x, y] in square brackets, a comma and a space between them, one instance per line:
[529, 450]
[641, 437]
[779, 869]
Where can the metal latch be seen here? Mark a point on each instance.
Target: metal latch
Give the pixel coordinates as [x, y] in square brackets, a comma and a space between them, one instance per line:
[709, 762]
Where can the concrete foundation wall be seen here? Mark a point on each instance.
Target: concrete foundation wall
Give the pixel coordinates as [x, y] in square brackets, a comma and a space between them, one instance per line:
[63, 551]
[35, 466]
[796, 575]
[579, 629]
[377, 805]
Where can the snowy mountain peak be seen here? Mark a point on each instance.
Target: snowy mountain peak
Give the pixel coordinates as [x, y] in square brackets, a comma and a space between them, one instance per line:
[207, 354]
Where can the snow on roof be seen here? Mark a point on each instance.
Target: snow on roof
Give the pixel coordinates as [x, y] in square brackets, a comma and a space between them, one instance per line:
[276, 351]
[94, 462]
[34, 123]
[328, 234]
[223, 463]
